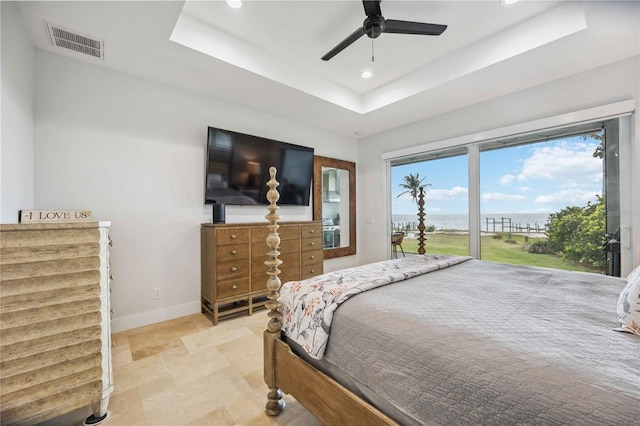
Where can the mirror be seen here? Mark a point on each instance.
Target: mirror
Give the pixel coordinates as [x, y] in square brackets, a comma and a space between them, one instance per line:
[334, 203]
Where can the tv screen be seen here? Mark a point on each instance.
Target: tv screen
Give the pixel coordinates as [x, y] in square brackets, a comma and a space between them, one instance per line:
[237, 169]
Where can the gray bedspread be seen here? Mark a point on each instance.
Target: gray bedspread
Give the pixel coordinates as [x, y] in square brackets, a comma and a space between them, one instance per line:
[487, 343]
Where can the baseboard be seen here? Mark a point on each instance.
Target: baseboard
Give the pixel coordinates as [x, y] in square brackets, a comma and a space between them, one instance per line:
[152, 317]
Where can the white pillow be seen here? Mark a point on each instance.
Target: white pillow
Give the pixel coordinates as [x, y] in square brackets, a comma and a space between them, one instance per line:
[629, 304]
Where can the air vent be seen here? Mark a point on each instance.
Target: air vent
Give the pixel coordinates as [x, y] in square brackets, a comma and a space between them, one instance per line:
[66, 39]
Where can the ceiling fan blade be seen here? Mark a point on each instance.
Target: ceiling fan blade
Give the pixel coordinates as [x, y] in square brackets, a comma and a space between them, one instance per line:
[407, 27]
[344, 44]
[372, 8]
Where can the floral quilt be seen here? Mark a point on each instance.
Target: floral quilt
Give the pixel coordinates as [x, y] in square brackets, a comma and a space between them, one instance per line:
[308, 305]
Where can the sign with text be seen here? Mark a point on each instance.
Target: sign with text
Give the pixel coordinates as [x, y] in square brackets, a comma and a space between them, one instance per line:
[54, 215]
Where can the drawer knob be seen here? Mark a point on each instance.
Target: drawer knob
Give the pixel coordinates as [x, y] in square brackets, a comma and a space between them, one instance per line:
[313, 271]
[233, 287]
[312, 231]
[312, 243]
[233, 236]
[312, 257]
[234, 251]
[234, 269]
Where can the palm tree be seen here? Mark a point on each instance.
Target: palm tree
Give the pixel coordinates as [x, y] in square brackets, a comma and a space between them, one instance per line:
[412, 185]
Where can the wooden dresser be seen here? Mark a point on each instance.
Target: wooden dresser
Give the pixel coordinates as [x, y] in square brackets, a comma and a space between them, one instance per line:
[234, 276]
[55, 342]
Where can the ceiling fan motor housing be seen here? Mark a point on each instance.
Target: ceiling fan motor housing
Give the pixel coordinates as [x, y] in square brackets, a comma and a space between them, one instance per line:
[374, 26]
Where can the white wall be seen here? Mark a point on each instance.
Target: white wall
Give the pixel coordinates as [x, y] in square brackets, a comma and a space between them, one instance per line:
[16, 143]
[615, 82]
[133, 152]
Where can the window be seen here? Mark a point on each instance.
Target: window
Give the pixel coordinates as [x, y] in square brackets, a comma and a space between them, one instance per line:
[518, 185]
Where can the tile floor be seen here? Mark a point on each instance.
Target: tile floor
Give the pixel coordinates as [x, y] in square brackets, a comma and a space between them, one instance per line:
[188, 372]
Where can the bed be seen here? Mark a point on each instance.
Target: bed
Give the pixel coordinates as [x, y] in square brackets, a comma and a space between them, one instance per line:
[451, 340]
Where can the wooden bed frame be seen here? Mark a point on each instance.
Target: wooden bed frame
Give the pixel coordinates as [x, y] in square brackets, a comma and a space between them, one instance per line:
[286, 372]
[333, 404]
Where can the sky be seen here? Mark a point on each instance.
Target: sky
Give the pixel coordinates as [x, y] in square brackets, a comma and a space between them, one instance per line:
[535, 178]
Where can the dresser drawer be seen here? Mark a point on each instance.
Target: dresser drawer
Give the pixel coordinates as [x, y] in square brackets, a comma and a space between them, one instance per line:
[226, 236]
[290, 275]
[260, 249]
[311, 243]
[233, 287]
[233, 269]
[289, 246]
[311, 231]
[258, 268]
[259, 282]
[286, 232]
[311, 270]
[312, 256]
[289, 261]
[232, 252]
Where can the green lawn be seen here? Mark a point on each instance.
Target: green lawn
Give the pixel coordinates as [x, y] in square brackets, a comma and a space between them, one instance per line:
[493, 249]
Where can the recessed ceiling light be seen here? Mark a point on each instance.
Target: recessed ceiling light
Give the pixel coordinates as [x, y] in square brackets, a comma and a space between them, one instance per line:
[508, 2]
[366, 74]
[236, 4]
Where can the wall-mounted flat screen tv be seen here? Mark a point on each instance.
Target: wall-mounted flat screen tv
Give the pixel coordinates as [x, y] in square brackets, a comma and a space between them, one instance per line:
[238, 169]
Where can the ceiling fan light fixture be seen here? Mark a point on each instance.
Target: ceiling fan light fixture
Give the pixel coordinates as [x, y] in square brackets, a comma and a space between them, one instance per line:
[235, 4]
[366, 74]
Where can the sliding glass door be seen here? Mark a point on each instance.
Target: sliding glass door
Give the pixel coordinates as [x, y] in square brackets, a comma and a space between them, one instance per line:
[444, 178]
[542, 202]
[548, 198]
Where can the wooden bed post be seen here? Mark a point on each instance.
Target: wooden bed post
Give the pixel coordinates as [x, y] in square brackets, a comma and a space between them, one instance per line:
[421, 238]
[275, 403]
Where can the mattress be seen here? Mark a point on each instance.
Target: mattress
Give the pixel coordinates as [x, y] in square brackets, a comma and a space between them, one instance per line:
[489, 343]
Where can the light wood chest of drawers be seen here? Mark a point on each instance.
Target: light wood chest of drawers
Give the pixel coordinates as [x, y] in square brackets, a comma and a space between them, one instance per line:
[234, 275]
[55, 331]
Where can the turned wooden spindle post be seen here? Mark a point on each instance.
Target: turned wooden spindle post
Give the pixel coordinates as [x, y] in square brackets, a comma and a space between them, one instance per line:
[421, 228]
[275, 403]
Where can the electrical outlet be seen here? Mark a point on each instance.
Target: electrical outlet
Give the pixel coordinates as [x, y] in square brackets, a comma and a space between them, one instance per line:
[157, 293]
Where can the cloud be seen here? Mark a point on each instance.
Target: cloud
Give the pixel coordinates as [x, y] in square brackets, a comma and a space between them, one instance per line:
[568, 196]
[498, 196]
[507, 179]
[569, 162]
[446, 194]
[525, 189]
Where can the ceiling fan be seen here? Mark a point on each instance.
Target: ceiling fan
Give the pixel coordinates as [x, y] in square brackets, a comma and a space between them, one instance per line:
[375, 24]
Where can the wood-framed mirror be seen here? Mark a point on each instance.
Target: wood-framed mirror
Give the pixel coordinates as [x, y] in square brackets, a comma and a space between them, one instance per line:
[334, 203]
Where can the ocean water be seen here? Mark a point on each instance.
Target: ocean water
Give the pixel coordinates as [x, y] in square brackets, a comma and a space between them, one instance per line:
[488, 222]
